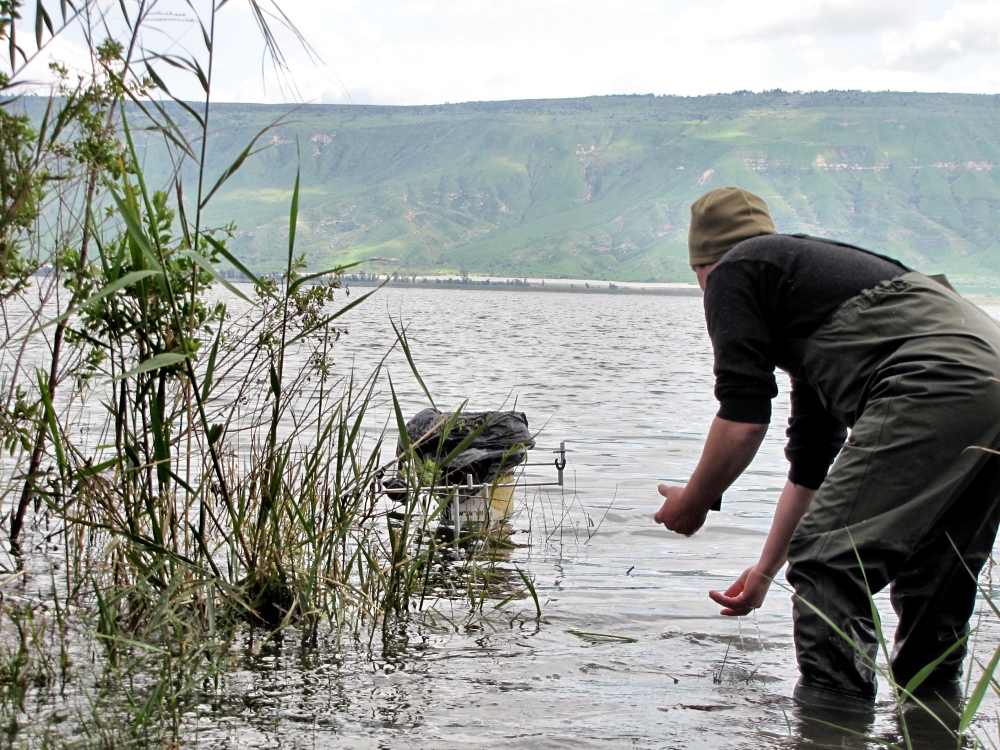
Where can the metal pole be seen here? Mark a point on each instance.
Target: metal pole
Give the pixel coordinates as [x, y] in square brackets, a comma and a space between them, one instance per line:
[456, 512]
[561, 462]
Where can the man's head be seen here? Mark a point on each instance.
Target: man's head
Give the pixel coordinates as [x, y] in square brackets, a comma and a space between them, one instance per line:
[723, 218]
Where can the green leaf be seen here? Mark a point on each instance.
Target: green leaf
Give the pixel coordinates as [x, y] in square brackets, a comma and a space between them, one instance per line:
[330, 318]
[404, 437]
[275, 382]
[405, 344]
[918, 679]
[187, 487]
[128, 642]
[836, 629]
[221, 249]
[466, 443]
[133, 455]
[530, 585]
[126, 280]
[133, 224]
[135, 231]
[41, 16]
[161, 443]
[293, 218]
[309, 277]
[206, 386]
[50, 416]
[601, 637]
[979, 692]
[90, 471]
[234, 167]
[140, 540]
[165, 359]
[160, 84]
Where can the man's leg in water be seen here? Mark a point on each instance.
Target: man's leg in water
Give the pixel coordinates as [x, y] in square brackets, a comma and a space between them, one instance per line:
[903, 467]
[934, 592]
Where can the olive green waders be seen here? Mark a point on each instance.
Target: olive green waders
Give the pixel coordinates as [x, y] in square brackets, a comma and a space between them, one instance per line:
[909, 367]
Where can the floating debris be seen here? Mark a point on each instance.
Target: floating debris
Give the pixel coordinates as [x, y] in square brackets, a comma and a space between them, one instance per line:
[601, 637]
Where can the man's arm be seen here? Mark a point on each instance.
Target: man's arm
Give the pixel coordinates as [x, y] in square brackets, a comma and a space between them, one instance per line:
[750, 589]
[729, 449]
[815, 437]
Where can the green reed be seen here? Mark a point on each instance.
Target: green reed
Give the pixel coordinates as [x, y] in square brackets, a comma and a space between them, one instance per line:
[228, 476]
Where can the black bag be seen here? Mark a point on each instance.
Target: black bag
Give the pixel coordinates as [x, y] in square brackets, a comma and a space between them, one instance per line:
[502, 445]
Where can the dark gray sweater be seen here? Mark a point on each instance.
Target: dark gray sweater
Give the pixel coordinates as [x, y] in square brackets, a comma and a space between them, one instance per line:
[764, 295]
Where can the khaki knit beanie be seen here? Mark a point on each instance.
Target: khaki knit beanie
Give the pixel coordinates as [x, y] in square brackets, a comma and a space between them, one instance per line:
[723, 218]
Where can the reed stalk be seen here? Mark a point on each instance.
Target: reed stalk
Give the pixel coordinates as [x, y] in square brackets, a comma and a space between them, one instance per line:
[187, 460]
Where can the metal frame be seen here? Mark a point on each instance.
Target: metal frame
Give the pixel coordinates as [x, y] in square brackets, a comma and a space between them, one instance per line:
[559, 463]
[469, 489]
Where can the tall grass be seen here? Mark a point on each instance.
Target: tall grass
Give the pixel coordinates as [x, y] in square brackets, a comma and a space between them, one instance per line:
[185, 459]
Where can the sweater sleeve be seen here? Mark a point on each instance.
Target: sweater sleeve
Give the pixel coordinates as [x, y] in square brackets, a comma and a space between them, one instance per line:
[814, 437]
[744, 368]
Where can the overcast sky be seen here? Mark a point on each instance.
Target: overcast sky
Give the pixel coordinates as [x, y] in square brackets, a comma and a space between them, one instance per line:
[432, 51]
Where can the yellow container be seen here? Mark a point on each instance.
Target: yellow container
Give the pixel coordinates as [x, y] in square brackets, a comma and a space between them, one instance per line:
[491, 505]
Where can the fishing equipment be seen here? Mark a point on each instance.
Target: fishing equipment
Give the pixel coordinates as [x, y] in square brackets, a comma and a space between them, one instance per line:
[473, 461]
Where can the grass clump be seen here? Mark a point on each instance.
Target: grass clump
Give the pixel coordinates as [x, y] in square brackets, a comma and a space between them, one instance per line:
[184, 460]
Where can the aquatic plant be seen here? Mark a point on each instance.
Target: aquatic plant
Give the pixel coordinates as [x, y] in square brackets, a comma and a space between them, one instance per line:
[186, 460]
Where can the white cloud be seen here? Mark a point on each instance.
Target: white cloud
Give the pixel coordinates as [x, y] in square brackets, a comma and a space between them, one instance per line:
[433, 52]
[429, 51]
[963, 30]
[437, 50]
[838, 17]
[985, 79]
[62, 50]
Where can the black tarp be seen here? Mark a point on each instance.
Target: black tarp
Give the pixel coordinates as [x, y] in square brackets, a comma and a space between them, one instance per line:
[502, 445]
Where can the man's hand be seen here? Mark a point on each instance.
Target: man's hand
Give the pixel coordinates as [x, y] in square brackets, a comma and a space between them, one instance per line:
[745, 595]
[677, 514]
[729, 448]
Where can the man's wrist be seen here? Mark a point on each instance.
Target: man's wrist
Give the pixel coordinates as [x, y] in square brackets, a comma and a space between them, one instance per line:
[769, 570]
[696, 499]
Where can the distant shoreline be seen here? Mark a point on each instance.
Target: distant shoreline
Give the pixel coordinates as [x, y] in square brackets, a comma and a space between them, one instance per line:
[563, 286]
[985, 296]
[983, 300]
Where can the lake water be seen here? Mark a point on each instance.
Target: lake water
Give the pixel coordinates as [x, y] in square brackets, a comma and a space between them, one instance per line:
[626, 382]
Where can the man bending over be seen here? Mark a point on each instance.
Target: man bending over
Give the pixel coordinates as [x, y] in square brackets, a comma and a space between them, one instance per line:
[907, 366]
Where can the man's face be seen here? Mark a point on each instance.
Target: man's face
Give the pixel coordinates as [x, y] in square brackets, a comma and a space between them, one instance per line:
[702, 273]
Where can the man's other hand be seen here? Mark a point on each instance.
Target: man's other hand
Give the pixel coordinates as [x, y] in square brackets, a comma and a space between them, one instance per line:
[745, 595]
[677, 514]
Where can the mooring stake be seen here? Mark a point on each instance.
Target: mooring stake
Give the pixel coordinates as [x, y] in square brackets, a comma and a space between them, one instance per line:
[561, 462]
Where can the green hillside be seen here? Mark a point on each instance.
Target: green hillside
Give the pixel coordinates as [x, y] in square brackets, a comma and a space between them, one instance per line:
[600, 187]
